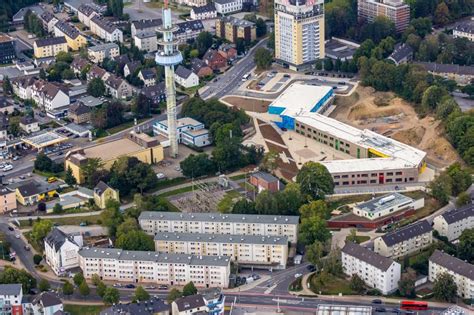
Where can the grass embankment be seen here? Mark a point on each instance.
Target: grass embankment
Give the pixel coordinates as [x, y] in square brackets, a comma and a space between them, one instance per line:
[75, 309]
[89, 219]
[360, 238]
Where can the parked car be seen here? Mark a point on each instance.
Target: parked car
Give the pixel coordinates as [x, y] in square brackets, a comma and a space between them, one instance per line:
[27, 248]
[162, 287]
[377, 301]
[117, 285]
[130, 286]
[150, 287]
[11, 228]
[297, 275]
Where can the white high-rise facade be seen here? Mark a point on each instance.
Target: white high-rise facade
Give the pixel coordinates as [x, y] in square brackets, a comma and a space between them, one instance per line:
[299, 32]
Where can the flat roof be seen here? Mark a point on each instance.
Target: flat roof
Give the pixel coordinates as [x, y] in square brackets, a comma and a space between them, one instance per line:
[298, 98]
[131, 255]
[221, 238]
[403, 154]
[44, 139]
[181, 122]
[218, 217]
[196, 133]
[384, 202]
[112, 149]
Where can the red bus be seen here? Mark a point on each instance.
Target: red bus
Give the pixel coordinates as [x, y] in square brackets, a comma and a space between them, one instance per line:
[413, 305]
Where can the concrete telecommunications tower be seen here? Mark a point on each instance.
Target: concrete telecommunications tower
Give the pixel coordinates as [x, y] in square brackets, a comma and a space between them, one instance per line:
[168, 57]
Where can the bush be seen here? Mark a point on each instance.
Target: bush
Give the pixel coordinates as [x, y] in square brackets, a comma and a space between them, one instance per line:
[37, 259]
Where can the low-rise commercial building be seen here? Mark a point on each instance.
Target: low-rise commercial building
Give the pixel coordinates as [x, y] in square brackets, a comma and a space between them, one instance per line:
[265, 181]
[404, 241]
[376, 271]
[452, 223]
[215, 223]
[61, 251]
[153, 267]
[250, 250]
[189, 131]
[228, 6]
[147, 149]
[386, 205]
[49, 47]
[146, 41]
[30, 192]
[461, 271]
[74, 39]
[231, 28]
[98, 53]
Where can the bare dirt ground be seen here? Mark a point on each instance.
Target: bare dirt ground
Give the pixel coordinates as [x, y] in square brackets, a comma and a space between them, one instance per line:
[393, 117]
[248, 104]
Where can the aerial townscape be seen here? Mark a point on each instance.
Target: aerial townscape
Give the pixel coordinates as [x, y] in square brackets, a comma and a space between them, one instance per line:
[233, 157]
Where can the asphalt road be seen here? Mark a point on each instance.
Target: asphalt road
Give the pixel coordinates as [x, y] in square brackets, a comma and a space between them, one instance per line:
[232, 78]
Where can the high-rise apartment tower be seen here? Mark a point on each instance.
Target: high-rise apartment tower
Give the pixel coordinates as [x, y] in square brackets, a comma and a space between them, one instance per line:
[299, 32]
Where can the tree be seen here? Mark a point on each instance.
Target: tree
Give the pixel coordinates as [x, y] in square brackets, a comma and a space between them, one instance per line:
[189, 289]
[100, 289]
[141, 105]
[43, 163]
[43, 285]
[64, 56]
[40, 230]
[315, 208]
[135, 240]
[96, 87]
[444, 288]
[465, 250]
[357, 284]
[12, 275]
[141, 294]
[173, 295]
[432, 96]
[95, 279]
[352, 237]
[263, 58]
[115, 8]
[111, 296]
[240, 45]
[328, 65]
[314, 253]
[244, 206]
[313, 229]
[37, 259]
[128, 225]
[441, 188]
[406, 284]
[7, 86]
[461, 178]
[463, 199]
[91, 167]
[57, 209]
[197, 165]
[84, 289]
[270, 161]
[442, 16]
[315, 180]
[69, 178]
[111, 216]
[203, 42]
[261, 27]
[78, 279]
[68, 288]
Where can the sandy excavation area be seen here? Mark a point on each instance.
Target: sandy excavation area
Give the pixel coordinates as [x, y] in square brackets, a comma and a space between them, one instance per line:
[391, 116]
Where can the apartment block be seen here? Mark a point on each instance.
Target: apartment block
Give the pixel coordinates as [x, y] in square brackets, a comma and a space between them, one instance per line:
[74, 39]
[231, 28]
[395, 10]
[404, 241]
[61, 250]
[11, 296]
[85, 13]
[147, 26]
[250, 250]
[49, 20]
[49, 96]
[299, 33]
[452, 223]
[464, 30]
[7, 49]
[153, 267]
[98, 53]
[461, 271]
[228, 6]
[377, 271]
[49, 47]
[154, 222]
[106, 29]
[8, 201]
[146, 41]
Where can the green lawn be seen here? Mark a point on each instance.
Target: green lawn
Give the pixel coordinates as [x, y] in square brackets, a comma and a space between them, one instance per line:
[75, 309]
[226, 204]
[168, 183]
[124, 126]
[237, 177]
[334, 203]
[91, 219]
[360, 238]
[178, 191]
[329, 284]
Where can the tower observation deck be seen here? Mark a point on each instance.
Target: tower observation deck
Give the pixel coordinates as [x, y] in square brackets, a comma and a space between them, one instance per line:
[169, 56]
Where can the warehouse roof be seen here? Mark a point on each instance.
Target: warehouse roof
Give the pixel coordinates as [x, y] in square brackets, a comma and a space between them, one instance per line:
[407, 232]
[153, 256]
[221, 238]
[459, 214]
[368, 256]
[218, 217]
